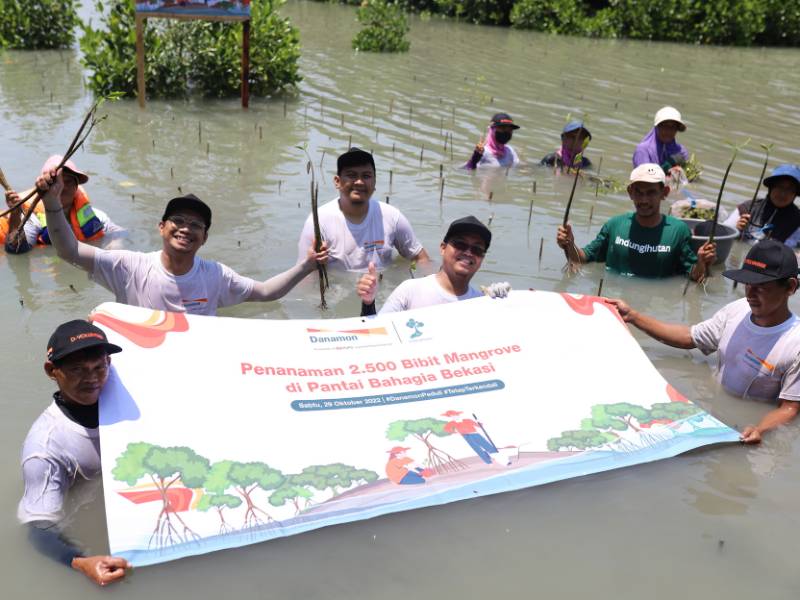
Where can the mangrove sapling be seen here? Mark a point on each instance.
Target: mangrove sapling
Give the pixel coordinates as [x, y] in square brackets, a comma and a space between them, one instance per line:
[571, 251]
[318, 241]
[714, 220]
[89, 121]
[767, 148]
[4, 181]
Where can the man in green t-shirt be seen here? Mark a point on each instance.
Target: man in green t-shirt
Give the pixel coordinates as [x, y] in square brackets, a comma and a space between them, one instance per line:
[644, 243]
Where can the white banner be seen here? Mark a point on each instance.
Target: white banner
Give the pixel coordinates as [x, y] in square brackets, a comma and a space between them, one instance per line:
[220, 432]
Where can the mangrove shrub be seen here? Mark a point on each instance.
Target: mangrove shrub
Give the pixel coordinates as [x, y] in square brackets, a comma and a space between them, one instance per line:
[185, 57]
[37, 24]
[736, 22]
[384, 27]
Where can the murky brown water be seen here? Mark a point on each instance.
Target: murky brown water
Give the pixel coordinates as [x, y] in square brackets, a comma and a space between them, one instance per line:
[713, 523]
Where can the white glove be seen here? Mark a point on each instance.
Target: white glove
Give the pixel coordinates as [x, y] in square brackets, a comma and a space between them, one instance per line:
[498, 289]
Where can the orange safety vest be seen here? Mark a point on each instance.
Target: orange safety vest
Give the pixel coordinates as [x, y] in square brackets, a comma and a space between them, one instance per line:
[85, 224]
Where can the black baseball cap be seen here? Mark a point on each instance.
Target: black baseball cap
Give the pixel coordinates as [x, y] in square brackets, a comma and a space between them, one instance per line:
[768, 260]
[354, 157]
[503, 119]
[469, 225]
[76, 335]
[188, 202]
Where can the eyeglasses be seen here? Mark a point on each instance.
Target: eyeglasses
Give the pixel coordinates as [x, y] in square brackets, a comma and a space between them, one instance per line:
[184, 222]
[463, 246]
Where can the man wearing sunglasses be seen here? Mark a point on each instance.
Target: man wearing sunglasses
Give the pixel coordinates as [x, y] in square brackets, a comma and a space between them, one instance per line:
[463, 248]
[173, 278]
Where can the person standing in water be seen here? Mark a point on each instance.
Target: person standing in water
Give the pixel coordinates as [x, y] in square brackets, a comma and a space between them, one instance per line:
[660, 146]
[493, 150]
[88, 223]
[574, 139]
[756, 338]
[776, 216]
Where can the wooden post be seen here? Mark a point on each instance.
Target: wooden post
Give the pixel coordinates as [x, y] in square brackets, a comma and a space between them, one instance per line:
[245, 64]
[140, 50]
[140, 91]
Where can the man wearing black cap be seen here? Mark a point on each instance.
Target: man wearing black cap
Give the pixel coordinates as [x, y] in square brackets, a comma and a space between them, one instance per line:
[357, 228]
[63, 445]
[174, 278]
[757, 337]
[463, 248]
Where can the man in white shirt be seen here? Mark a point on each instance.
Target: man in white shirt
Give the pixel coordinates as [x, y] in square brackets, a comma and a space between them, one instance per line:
[357, 228]
[463, 248]
[63, 446]
[757, 337]
[174, 278]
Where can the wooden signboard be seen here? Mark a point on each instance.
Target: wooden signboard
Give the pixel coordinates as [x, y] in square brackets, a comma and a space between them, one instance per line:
[188, 10]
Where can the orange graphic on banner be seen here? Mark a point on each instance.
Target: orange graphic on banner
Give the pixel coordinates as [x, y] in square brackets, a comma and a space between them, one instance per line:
[371, 331]
[584, 305]
[148, 334]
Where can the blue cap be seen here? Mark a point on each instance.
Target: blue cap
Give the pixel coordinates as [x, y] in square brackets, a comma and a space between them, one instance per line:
[573, 125]
[792, 171]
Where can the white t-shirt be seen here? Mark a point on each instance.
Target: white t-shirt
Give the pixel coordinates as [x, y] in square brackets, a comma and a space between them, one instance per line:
[56, 452]
[140, 279]
[352, 245]
[33, 227]
[419, 293]
[510, 158]
[762, 362]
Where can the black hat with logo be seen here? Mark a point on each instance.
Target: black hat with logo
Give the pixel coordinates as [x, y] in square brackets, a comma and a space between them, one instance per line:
[188, 202]
[469, 225]
[77, 335]
[503, 119]
[768, 260]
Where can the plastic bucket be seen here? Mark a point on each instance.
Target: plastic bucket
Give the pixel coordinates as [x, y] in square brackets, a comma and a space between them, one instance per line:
[724, 237]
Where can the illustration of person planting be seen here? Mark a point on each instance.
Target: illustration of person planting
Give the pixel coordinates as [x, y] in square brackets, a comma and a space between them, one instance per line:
[475, 435]
[400, 468]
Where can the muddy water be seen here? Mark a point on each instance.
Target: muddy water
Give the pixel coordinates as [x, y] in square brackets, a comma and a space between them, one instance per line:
[713, 523]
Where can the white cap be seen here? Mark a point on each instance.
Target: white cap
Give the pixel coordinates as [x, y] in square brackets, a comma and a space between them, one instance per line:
[669, 113]
[649, 173]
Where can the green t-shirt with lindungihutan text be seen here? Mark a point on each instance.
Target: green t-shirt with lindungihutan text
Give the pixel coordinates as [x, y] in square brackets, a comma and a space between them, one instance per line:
[631, 249]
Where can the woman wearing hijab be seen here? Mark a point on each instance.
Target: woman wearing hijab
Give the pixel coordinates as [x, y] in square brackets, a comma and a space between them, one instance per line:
[574, 139]
[495, 151]
[776, 216]
[660, 146]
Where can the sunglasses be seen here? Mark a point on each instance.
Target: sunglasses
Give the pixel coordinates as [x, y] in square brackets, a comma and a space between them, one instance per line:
[463, 246]
[184, 222]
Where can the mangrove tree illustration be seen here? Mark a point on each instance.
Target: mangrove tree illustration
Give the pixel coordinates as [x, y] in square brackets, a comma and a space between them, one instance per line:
[165, 467]
[244, 479]
[422, 430]
[181, 480]
[609, 421]
[220, 502]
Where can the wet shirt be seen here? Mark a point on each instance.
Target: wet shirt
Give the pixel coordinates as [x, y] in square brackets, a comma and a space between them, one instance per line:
[630, 249]
[351, 246]
[761, 362]
[509, 158]
[139, 279]
[419, 293]
[56, 453]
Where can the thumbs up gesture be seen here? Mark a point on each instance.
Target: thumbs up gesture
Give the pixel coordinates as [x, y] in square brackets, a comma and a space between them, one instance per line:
[367, 285]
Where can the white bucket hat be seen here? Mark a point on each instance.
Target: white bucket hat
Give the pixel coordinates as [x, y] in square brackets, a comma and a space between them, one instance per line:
[649, 173]
[669, 113]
